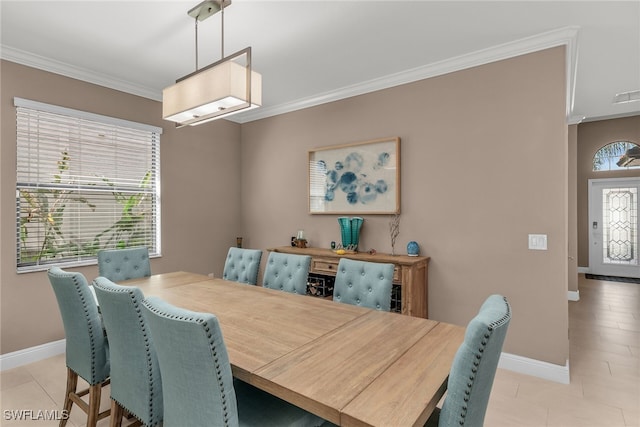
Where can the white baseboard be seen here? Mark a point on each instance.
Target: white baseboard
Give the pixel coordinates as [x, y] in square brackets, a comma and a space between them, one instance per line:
[536, 368]
[573, 295]
[32, 354]
[584, 270]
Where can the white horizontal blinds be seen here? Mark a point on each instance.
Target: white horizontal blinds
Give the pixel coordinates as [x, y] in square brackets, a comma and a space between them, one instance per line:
[318, 183]
[84, 183]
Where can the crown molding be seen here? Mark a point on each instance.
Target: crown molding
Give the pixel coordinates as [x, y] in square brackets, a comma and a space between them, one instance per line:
[566, 36]
[575, 120]
[78, 73]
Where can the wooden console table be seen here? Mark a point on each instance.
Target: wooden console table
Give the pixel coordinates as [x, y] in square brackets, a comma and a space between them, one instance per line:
[411, 273]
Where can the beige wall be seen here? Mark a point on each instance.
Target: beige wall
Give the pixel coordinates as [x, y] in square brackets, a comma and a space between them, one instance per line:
[484, 163]
[591, 137]
[200, 172]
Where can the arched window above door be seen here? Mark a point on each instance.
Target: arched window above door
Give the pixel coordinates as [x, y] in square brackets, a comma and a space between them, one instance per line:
[617, 155]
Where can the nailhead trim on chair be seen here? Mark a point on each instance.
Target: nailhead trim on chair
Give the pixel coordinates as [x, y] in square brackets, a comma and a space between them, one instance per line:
[85, 308]
[74, 282]
[153, 417]
[91, 331]
[217, 367]
[214, 350]
[476, 363]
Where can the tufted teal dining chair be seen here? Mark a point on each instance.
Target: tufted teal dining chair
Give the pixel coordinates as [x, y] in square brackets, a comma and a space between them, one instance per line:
[118, 265]
[242, 265]
[87, 348]
[135, 375]
[198, 386]
[474, 367]
[287, 272]
[364, 283]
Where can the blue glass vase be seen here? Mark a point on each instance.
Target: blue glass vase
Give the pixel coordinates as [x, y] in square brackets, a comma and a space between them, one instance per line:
[345, 230]
[356, 223]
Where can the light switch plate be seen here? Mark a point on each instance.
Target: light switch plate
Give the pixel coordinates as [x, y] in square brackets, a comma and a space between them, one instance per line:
[538, 242]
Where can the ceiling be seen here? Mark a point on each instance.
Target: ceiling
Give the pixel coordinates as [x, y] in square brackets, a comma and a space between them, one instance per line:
[310, 52]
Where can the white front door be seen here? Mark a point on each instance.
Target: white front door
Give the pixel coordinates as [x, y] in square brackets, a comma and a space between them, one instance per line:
[613, 222]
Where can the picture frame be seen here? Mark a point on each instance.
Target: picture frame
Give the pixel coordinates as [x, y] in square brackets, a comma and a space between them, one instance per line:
[355, 178]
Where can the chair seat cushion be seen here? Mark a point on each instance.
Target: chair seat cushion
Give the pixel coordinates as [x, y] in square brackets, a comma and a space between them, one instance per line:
[259, 408]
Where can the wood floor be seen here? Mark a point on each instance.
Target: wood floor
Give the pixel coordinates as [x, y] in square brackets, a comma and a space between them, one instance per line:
[604, 362]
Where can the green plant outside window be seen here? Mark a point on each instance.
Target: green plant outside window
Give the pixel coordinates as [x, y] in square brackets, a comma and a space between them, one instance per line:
[83, 183]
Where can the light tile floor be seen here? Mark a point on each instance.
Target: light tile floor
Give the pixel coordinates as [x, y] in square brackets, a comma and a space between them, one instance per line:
[604, 329]
[604, 361]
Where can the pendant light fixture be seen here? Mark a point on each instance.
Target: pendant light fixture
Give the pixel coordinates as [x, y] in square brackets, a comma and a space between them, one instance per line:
[218, 90]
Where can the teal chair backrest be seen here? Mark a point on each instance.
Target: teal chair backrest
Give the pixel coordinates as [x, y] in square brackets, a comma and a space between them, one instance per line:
[196, 374]
[287, 272]
[474, 366]
[242, 265]
[367, 284]
[87, 348]
[198, 386]
[118, 265]
[135, 374]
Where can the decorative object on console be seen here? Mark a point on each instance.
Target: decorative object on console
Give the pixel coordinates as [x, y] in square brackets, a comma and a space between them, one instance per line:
[300, 241]
[356, 178]
[410, 277]
[345, 230]
[238, 242]
[356, 224]
[350, 231]
[218, 90]
[394, 230]
[413, 249]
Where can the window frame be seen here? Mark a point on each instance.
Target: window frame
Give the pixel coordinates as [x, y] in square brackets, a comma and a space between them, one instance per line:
[607, 155]
[73, 121]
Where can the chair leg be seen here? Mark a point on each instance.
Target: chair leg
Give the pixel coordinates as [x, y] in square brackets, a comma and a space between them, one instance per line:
[117, 412]
[72, 384]
[94, 404]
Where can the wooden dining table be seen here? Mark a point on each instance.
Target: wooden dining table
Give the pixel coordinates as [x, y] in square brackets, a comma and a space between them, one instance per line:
[347, 364]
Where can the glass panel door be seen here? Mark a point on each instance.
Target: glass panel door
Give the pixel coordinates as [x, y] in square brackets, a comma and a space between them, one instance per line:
[614, 227]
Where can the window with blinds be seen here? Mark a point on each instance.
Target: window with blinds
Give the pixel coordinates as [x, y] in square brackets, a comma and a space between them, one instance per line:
[84, 182]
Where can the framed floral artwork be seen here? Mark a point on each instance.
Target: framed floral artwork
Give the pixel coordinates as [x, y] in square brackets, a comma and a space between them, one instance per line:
[355, 178]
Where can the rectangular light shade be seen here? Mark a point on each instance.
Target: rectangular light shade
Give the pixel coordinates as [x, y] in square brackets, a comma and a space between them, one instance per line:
[212, 93]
